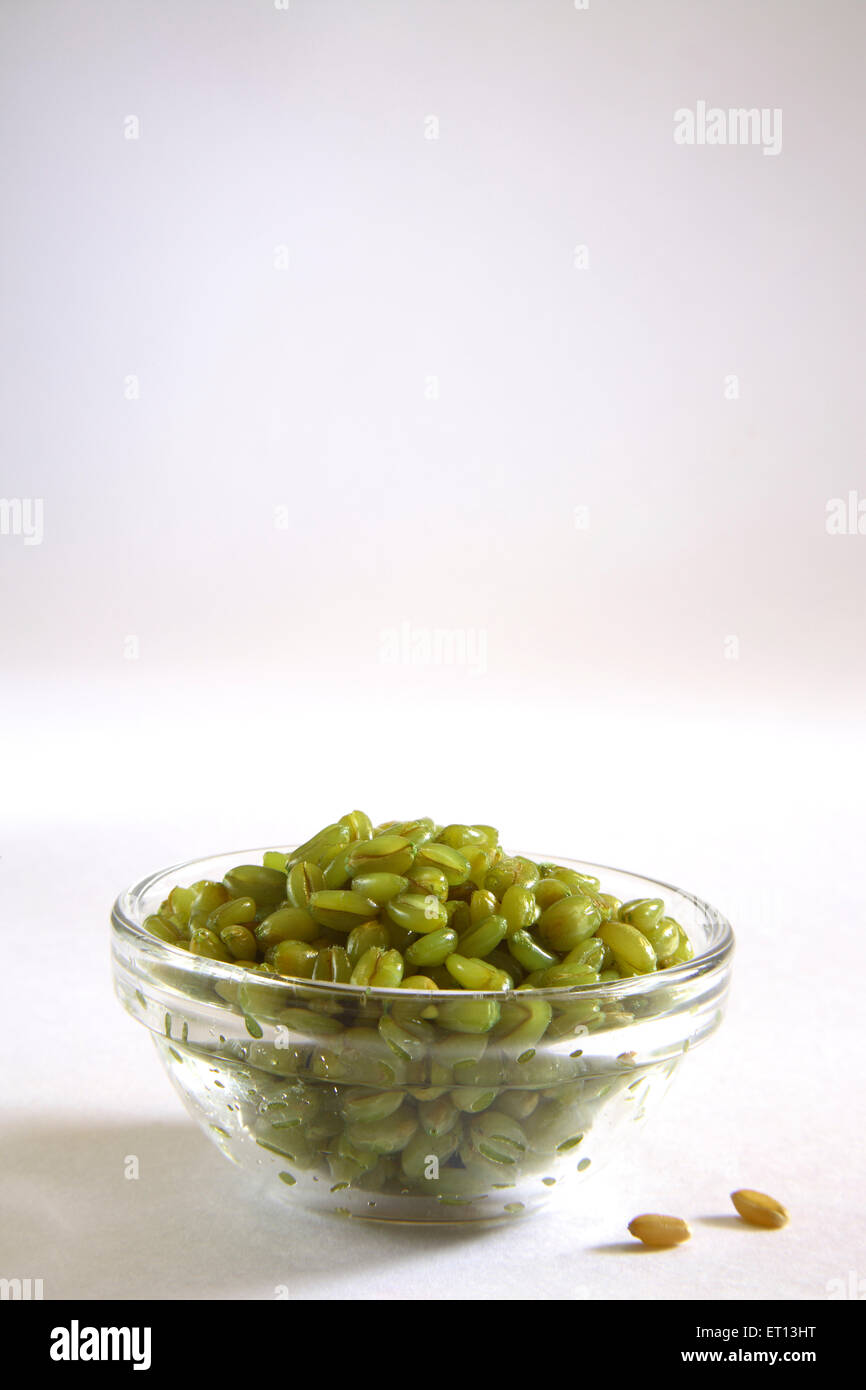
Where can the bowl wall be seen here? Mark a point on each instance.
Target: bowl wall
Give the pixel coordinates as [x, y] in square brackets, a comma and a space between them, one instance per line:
[385, 1105]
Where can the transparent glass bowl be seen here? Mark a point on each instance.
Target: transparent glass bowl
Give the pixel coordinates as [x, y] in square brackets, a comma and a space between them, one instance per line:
[358, 1101]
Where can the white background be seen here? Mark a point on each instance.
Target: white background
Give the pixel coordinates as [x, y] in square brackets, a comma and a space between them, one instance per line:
[184, 673]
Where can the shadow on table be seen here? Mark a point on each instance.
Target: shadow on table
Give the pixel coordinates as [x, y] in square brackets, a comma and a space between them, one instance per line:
[188, 1225]
[725, 1222]
[622, 1247]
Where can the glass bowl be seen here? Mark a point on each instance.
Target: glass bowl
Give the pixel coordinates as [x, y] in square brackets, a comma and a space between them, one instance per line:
[381, 1104]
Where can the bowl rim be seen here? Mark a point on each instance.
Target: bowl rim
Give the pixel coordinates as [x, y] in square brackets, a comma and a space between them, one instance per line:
[714, 959]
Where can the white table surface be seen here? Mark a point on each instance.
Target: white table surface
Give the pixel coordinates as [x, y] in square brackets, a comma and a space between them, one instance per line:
[760, 816]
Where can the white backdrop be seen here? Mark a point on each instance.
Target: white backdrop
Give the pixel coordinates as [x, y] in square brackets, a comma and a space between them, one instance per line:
[394, 414]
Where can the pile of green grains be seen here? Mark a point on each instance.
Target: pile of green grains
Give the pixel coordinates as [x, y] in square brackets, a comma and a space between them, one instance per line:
[418, 906]
[435, 1068]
